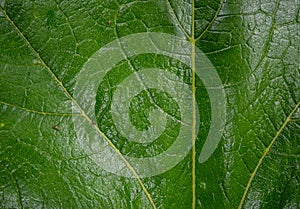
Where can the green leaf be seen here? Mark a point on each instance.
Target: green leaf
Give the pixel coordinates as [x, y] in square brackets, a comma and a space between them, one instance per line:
[60, 144]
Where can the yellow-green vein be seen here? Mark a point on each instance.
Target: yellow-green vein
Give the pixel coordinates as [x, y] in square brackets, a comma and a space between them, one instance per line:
[212, 21]
[193, 41]
[193, 57]
[39, 112]
[288, 119]
[81, 110]
[140, 181]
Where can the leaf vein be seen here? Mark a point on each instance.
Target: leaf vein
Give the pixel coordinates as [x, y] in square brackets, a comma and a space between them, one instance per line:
[80, 108]
[288, 119]
[172, 12]
[39, 112]
[15, 184]
[268, 41]
[72, 32]
[211, 22]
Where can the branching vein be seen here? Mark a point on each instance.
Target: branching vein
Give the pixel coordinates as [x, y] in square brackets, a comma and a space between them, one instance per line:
[288, 119]
[79, 107]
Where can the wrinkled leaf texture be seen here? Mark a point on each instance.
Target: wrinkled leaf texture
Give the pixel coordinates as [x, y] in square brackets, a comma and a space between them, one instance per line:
[254, 46]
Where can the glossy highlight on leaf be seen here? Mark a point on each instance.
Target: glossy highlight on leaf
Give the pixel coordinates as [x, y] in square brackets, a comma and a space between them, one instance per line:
[149, 104]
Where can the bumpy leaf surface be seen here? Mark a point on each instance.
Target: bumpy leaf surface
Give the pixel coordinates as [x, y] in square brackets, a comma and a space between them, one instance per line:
[44, 163]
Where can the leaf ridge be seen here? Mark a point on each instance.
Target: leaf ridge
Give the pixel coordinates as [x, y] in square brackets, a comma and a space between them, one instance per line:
[72, 32]
[193, 58]
[269, 39]
[193, 41]
[130, 167]
[141, 81]
[15, 184]
[212, 21]
[39, 112]
[288, 119]
[172, 12]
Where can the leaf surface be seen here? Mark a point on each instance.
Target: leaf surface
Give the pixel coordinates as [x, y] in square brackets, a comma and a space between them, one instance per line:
[51, 145]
